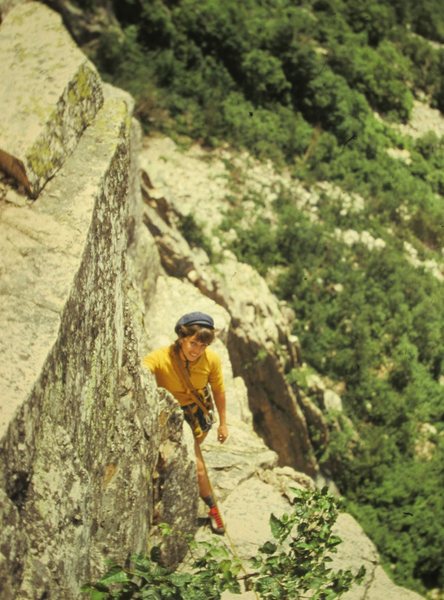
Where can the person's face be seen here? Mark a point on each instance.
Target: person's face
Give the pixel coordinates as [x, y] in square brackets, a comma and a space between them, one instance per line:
[192, 348]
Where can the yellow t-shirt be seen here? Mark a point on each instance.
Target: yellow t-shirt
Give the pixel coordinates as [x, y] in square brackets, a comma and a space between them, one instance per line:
[206, 369]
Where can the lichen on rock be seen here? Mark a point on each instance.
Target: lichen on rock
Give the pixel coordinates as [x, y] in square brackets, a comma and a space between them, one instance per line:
[81, 425]
[50, 92]
[93, 457]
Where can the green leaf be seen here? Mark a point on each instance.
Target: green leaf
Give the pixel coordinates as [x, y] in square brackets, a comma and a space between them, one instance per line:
[298, 494]
[98, 595]
[218, 551]
[117, 575]
[277, 527]
[268, 548]
[166, 529]
[95, 591]
[361, 574]
[150, 594]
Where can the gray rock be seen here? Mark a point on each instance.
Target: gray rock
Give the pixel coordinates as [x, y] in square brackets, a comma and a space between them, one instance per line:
[92, 457]
[43, 246]
[14, 198]
[259, 342]
[355, 550]
[332, 401]
[50, 92]
[241, 457]
[247, 511]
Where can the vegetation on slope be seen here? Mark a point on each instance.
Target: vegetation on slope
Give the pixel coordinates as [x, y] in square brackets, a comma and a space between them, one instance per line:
[301, 82]
[294, 564]
[368, 318]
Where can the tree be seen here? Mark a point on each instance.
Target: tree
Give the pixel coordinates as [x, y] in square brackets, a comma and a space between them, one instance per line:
[264, 78]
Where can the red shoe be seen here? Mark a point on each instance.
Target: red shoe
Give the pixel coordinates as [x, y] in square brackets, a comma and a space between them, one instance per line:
[216, 522]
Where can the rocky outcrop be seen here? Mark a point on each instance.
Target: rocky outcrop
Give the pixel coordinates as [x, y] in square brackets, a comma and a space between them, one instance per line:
[50, 92]
[356, 549]
[93, 457]
[91, 454]
[244, 473]
[260, 343]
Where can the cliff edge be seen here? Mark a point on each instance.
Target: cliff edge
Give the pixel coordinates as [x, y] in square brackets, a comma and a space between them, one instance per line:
[92, 455]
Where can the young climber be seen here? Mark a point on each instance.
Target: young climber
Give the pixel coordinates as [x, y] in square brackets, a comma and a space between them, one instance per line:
[186, 368]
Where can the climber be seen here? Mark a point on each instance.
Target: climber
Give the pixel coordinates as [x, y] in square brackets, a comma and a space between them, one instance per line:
[188, 368]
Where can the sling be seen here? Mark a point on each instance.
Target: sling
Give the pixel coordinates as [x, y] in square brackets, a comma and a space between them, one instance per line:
[185, 379]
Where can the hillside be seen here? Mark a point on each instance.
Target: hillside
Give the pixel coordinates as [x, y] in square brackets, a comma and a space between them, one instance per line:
[197, 179]
[303, 140]
[95, 460]
[333, 93]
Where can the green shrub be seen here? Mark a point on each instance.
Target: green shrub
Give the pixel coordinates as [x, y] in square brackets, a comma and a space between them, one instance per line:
[298, 82]
[264, 77]
[277, 133]
[380, 74]
[291, 565]
[428, 19]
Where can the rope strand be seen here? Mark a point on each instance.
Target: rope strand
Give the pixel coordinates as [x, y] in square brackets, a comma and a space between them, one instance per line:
[230, 540]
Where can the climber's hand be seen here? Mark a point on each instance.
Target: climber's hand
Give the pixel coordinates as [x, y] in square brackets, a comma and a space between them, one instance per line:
[222, 433]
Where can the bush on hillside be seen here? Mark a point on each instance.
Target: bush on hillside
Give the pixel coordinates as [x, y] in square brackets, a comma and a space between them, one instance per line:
[300, 82]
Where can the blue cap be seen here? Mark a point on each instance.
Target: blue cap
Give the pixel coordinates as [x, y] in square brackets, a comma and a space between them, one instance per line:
[195, 318]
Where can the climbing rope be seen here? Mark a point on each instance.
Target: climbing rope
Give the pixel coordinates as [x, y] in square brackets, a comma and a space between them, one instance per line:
[227, 535]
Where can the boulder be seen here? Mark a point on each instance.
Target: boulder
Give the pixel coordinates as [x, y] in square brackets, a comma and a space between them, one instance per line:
[50, 93]
[332, 402]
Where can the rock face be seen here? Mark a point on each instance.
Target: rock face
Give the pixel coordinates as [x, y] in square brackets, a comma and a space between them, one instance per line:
[245, 474]
[260, 343]
[50, 92]
[93, 457]
[357, 549]
[91, 454]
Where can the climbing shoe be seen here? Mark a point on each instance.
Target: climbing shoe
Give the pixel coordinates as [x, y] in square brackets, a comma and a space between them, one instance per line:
[216, 522]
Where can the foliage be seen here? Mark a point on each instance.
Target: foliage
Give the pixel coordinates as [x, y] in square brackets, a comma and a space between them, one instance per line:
[412, 488]
[214, 572]
[266, 58]
[300, 83]
[381, 333]
[296, 563]
[295, 82]
[427, 19]
[381, 74]
[293, 563]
